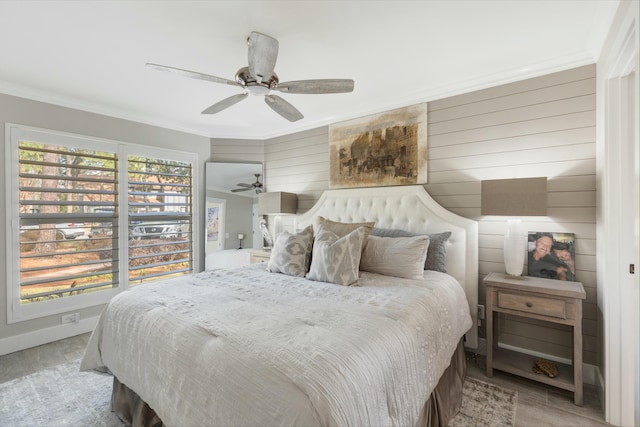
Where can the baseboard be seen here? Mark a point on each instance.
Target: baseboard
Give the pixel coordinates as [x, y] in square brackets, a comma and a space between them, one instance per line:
[590, 373]
[46, 335]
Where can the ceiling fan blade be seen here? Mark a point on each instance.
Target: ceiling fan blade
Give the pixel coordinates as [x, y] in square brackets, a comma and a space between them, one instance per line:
[192, 74]
[225, 103]
[242, 184]
[263, 53]
[235, 190]
[283, 108]
[317, 86]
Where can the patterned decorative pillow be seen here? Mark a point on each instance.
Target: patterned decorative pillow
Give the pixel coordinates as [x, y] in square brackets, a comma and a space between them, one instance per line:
[291, 254]
[344, 228]
[395, 256]
[436, 255]
[336, 259]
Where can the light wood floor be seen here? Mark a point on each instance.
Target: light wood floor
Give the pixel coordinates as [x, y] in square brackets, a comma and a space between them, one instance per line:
[538, 405]
[541, 405]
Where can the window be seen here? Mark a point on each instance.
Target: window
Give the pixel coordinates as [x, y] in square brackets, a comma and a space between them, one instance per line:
[90, 218]
[159, 218]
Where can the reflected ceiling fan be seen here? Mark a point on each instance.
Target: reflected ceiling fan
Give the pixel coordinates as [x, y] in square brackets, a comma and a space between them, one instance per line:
[259, 78]
[257, 186]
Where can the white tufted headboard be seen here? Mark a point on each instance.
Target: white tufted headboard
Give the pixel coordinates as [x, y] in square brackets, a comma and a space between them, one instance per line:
[412, 209]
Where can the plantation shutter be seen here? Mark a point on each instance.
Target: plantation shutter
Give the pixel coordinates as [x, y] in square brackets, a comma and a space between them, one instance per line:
[66, 195]
[159, 218]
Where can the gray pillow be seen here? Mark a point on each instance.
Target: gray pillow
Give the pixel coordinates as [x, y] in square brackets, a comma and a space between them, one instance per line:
[291, 254]
[336, 259]
[436, 254]
[395, 256]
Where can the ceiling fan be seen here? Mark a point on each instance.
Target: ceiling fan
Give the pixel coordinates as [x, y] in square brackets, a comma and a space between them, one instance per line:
[257, 186]
[259, 78]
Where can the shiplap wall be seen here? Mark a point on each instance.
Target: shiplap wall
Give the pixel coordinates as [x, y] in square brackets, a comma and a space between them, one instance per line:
[299, 164]
[538, 127]
[245, 150]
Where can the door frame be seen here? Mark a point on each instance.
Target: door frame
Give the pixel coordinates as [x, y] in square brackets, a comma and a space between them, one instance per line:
[617, 160]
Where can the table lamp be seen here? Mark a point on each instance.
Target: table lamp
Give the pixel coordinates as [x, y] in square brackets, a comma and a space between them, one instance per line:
[514, 198]
[277, 203]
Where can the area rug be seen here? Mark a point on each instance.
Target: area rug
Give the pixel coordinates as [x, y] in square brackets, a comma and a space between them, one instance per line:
[485, 404]
[63, 396]
[56, 397]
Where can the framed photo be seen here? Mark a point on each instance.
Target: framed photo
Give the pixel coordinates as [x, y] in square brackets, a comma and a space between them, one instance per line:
[552, 255]
[380, 150]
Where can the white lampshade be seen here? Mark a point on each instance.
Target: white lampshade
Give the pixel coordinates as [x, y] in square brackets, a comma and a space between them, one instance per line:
[514, 247]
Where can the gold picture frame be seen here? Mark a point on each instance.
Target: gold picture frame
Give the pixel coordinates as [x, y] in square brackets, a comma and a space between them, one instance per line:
[380, 150]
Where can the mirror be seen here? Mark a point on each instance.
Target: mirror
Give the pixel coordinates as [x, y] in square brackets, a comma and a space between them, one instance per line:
[231, 216]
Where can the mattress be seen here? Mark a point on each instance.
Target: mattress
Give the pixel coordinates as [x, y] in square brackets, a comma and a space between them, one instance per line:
[249, 347]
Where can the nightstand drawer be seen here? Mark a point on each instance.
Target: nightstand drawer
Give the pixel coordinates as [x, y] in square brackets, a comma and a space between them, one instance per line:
[532, 304]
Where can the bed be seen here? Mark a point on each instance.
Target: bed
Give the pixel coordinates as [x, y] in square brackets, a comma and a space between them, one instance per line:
[252, 347]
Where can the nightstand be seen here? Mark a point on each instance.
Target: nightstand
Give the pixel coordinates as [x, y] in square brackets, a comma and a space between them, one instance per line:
[549, 300]
[259, 255]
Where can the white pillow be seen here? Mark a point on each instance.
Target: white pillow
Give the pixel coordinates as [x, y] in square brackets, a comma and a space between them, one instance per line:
[336, 259]
[291, 254]
[395, 256]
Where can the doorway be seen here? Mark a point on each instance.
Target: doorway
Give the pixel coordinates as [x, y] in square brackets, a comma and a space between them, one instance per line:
[621, 206]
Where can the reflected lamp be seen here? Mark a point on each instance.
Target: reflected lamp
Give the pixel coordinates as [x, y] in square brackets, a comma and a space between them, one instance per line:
[277, 203]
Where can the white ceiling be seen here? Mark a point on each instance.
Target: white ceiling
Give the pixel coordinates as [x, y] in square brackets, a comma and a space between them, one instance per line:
[90, 55]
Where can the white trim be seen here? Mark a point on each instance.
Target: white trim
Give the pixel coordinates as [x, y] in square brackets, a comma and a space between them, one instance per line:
[615, 294]
[43, 336]
[17, 312]
[600, 388]
[12, 232]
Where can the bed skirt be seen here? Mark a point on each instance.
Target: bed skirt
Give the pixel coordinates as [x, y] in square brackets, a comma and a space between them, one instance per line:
[443, 403]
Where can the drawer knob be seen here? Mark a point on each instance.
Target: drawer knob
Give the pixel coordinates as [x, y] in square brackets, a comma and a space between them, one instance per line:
[529, 305]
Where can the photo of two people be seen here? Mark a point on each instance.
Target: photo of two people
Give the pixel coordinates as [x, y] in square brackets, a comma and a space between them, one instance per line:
[552, 255]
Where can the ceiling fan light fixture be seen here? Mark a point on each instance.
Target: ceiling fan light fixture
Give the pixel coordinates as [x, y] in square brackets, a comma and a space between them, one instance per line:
[258, 89]
[244, 78]
[263, 52]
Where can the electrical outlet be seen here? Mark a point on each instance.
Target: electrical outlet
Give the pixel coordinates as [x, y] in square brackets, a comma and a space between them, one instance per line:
[480, 311]
[71, 318]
